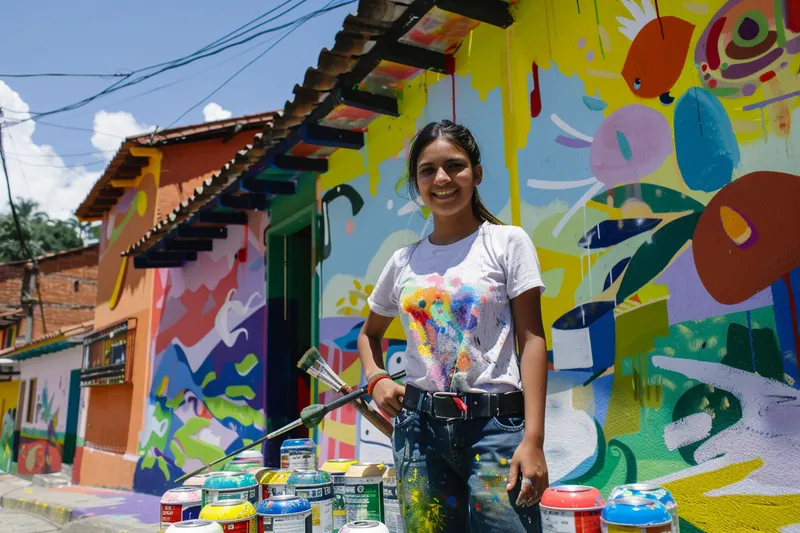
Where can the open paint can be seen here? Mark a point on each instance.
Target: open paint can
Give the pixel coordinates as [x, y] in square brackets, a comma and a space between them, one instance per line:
[635, 515]
[571, 509]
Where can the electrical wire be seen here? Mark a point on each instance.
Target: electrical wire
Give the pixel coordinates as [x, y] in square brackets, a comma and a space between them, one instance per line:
[44, 165]
[62, 75]
[18, 226]
[298, 24]
[76, 154]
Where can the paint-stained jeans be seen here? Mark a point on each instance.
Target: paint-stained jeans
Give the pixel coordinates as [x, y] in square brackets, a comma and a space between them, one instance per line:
[452, 475]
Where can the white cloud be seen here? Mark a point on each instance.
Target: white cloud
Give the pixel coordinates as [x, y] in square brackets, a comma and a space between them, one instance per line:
[110, 128]
[37, 171]
[214, 111]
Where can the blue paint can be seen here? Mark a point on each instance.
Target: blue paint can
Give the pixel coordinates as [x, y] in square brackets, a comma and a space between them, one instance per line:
[232, 486]
[298, 454]
[653, 492]
[635, 515]
[284, 514]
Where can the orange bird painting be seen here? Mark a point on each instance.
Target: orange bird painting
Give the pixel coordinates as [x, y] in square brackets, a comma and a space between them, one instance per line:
[658, 50]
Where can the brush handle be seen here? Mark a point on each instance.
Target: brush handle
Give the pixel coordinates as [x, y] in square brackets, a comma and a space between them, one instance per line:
[375, 418]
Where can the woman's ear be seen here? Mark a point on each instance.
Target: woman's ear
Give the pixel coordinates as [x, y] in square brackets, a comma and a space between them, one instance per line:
[478, 172]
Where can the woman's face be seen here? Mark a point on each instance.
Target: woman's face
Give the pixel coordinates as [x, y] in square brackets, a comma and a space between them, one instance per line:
[446, 180]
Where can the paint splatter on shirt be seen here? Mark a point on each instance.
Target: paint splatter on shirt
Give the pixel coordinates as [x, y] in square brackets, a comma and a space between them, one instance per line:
[454, 302]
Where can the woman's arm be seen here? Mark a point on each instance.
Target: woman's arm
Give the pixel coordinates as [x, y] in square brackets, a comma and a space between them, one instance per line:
[387, 394]
[529, 460]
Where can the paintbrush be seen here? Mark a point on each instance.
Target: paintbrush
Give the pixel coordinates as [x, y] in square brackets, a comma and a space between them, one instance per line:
[313, 363]
[310, 417]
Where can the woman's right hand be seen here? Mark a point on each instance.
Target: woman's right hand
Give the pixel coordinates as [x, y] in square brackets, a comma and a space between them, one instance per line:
[389, 396]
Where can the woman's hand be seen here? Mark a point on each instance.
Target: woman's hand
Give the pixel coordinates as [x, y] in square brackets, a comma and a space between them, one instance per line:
[389, 396]
[529, 464]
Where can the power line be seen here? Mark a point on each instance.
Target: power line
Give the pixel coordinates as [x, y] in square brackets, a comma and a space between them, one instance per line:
[63, 75]
[74, 165]
[54, 154]
[298, 24]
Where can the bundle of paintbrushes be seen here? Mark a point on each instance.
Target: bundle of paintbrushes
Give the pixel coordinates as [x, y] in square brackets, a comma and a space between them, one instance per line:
[313, 363]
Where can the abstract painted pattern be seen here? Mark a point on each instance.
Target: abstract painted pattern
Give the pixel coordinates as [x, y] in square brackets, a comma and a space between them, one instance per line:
[650, 150]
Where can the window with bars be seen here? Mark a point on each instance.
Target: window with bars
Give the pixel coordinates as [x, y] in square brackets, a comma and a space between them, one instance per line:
[106, 355]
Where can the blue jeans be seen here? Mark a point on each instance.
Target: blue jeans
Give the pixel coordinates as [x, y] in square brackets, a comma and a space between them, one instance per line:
[452, 475]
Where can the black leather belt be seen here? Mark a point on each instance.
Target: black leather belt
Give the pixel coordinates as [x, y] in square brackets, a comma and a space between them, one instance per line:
[446, 405]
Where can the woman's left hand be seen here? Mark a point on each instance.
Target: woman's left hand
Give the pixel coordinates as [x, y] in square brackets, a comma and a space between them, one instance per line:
[529, 464]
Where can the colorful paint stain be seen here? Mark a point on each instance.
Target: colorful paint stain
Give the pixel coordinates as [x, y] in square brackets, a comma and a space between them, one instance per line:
[667, 228]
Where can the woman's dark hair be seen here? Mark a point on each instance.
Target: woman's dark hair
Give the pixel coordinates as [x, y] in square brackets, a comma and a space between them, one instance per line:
[463, 139]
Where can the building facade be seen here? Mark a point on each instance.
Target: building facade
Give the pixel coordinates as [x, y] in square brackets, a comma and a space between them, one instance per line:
[651, 155]
[161, 327]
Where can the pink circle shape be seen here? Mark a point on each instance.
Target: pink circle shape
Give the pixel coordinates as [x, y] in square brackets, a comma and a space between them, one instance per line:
[630, 144]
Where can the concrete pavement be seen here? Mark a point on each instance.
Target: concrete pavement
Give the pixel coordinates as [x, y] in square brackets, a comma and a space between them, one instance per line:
[80, 509]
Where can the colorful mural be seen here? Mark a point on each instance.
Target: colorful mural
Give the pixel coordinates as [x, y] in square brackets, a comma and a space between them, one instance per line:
[206, 395]
[649, 152]
[41, 445]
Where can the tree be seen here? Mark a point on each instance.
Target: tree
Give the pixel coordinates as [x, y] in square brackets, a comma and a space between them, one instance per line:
[41, 233]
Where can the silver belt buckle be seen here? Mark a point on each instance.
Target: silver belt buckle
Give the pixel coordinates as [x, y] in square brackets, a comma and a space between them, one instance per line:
[451, 395]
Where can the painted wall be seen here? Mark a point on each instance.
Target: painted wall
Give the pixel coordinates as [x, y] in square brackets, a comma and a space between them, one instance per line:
[42, 441]
[206, 391]
[9, 396]
[658, 177]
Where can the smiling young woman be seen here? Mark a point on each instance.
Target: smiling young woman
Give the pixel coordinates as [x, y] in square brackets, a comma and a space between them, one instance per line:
[469, 422]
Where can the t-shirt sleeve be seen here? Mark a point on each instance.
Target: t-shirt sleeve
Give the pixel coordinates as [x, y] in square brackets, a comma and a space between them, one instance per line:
[522, 264]
[383, 300]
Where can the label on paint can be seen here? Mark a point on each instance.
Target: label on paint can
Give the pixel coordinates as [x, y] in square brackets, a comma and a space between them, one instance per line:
[177, 512]
[296, 523]
[558, 521]
[392, 515]
[339, 510]
[321, 499]
[364, 498]
[239, 526]
[250, 494]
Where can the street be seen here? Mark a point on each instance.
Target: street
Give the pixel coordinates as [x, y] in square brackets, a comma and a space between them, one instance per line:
[20, 522]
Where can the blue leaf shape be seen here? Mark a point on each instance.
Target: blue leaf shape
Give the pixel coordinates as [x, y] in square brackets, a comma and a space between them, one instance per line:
[611, 232]
[624, 146]
[616, 273]
[595, 104]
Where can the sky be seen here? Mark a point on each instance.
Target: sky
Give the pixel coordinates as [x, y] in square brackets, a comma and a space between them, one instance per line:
[56, 166]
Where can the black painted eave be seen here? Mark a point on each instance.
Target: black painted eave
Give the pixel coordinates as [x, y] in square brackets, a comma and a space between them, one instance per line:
[418, 57]
[222, 217]
[246, 202]
[194, 245]
[309, 164]
[142, 262]
[201, 232]
[325, 136]
[494, 12]
[268, 186]
[377, 103]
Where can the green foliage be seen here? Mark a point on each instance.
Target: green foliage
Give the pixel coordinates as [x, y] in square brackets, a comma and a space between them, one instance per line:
[42, 234]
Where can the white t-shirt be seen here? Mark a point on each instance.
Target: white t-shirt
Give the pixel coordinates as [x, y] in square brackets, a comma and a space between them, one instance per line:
[454, 302]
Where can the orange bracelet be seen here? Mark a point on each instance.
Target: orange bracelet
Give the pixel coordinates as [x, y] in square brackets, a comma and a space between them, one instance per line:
[375, 380]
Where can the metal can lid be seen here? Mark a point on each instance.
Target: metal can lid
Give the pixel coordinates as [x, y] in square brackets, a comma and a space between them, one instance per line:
[228, 503]
[298, 443]
[186, 524]
[309, 477]
[642, 487]
[231, 480]
[284, 504]
[181, 489]
[363, 524]
[636, 511]
[572, 497]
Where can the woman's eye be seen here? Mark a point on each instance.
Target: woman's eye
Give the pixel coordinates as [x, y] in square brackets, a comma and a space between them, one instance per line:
[426, 172]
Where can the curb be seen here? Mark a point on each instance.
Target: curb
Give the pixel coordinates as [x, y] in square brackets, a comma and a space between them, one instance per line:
[56, 514]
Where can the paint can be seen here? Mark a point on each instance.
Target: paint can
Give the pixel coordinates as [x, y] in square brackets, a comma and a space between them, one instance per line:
[195, 526]
[337, 468]
[635, 515]
[273, 483]
[235, 516]
[261, 471]
[284, 514]
[180, 504]
[653, 491]
[317, 488]
[363, 492]
[245, 461]
[392, 515]
[231, 486]
[365, 526]
[200, 479]
[298, 454]
[571, 509]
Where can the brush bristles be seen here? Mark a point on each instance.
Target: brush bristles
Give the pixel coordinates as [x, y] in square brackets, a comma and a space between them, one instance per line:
[308, 359]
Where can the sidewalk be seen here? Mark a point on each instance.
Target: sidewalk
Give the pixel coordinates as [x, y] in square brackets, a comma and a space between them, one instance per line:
[83, 509]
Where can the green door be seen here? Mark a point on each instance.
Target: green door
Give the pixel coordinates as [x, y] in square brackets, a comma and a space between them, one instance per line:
[73, 408]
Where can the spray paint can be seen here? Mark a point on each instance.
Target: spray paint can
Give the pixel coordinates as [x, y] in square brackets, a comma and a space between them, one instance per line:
[363, 492]
[180, 504]
[235, 516]
[653, 491]
[231, 486]
[635, 515]
[246, 460]
[195, 526]
[365, 526]
[298, 454]
[392, 515]
[317, 488]
[571, 509]
[336, 469]
[275, 484]
[284, 514]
